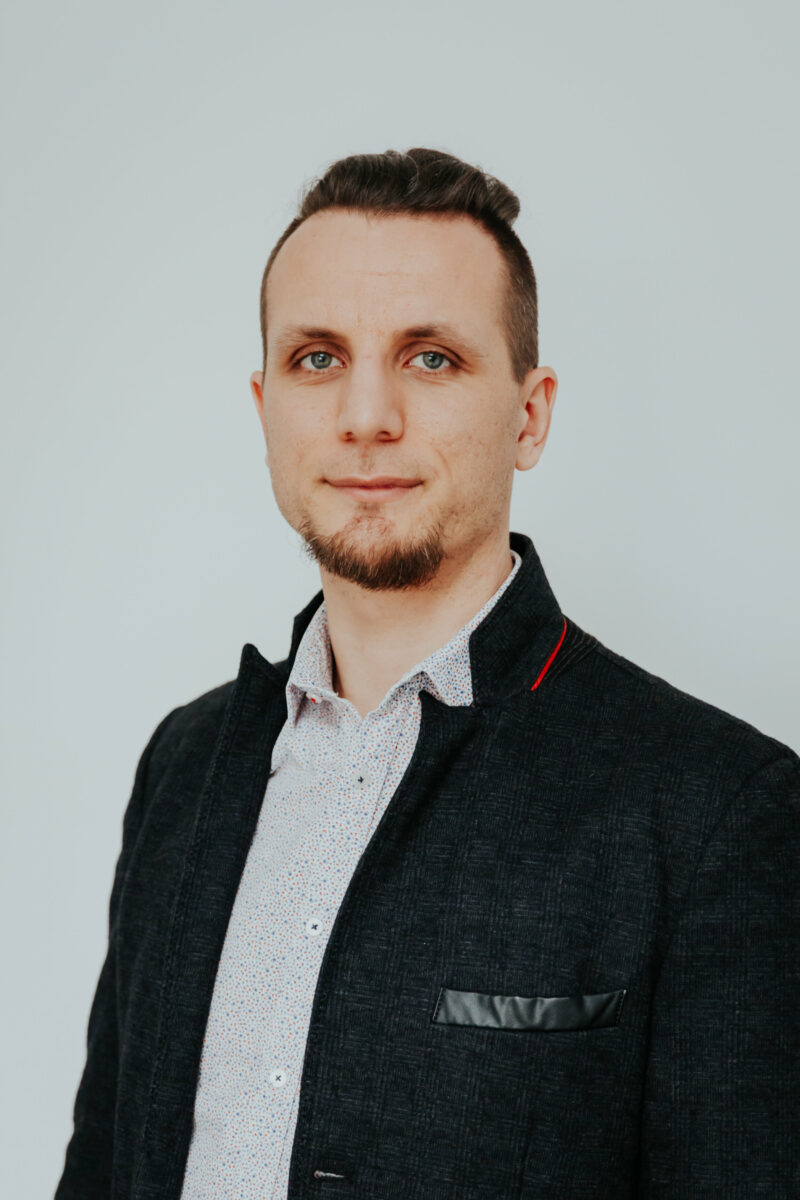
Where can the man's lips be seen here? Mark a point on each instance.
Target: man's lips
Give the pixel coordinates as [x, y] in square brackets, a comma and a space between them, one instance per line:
[384, 488]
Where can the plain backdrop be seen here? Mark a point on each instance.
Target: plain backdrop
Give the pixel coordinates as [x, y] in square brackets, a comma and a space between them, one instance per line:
[152, 155]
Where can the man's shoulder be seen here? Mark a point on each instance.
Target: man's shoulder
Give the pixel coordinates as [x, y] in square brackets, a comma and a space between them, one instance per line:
[660, 719]
[197, 714]
[192, 728]
[189, 729]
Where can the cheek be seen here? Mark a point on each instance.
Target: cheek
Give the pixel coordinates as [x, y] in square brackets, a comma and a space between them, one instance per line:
[290, 439]
[486, 444]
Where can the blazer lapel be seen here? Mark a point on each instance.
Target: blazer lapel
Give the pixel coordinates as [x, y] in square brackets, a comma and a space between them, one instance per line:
[227, 814]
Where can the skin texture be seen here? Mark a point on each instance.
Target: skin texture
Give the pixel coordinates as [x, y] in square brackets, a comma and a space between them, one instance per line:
[399, 577]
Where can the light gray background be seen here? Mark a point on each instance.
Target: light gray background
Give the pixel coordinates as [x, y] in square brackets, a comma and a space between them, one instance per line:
[152, 154]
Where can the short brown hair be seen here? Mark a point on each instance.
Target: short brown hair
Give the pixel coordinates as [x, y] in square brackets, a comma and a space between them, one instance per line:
[431, 182]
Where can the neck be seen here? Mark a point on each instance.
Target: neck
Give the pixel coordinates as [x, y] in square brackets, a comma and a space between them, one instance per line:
[376, 637]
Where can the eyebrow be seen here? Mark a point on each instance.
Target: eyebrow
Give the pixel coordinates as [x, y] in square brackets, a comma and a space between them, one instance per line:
[293, 335]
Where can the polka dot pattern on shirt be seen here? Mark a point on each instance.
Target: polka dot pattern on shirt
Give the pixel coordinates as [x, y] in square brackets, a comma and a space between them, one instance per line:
[332, 776]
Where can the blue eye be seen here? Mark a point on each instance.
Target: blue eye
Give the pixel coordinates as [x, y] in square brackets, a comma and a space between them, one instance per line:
[433, 354]
[316, 354]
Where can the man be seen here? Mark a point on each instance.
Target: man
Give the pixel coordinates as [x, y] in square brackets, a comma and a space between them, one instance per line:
[454, 901]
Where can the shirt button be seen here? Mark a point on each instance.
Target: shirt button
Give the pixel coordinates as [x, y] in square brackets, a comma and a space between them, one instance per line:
[313, 926]
[277, 1077]
[313, 696]
[361, 779]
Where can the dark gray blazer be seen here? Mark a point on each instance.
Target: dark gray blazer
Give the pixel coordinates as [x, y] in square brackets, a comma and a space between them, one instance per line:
[567, 963]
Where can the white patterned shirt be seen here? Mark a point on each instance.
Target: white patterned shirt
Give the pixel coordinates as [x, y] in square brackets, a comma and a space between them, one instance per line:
[332, 776]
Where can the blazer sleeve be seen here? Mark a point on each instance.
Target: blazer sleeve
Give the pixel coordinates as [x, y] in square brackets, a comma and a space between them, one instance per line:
[722, 1083]
[89, 1153]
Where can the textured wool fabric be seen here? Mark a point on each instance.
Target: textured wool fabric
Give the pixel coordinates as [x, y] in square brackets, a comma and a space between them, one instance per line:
[333, 774]
[582, 827]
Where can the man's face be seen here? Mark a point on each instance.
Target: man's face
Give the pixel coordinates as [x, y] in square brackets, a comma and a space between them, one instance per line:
[368, 398]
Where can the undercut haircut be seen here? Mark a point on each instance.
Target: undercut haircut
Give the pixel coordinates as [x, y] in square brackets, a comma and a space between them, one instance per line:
[431, 183]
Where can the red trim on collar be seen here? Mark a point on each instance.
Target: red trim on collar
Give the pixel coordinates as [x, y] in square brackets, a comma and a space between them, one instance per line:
[546, 666]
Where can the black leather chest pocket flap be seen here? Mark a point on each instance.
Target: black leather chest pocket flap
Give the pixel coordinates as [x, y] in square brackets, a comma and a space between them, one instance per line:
[537, 1014]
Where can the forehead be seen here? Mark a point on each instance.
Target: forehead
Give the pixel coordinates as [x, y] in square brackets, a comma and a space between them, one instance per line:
[385, 270]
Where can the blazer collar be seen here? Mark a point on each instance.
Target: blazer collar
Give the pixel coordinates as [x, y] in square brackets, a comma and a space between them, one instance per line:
[510, 651]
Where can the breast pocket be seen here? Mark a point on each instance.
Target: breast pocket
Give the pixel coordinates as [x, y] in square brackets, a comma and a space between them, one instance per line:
[536, 1014]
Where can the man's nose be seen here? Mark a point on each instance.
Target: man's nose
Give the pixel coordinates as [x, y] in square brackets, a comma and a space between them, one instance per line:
[370, 403]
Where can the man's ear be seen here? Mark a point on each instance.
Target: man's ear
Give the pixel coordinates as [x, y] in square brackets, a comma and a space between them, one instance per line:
[257, 388]
[538, 394]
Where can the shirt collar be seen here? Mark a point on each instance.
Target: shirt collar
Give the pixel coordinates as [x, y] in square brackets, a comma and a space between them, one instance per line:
[511, 651]
[439, 672]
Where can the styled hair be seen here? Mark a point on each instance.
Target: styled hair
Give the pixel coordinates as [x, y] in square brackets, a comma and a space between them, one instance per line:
[431, 182]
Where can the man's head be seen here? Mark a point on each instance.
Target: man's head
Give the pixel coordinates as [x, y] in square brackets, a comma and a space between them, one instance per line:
[399, 326]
